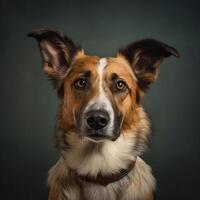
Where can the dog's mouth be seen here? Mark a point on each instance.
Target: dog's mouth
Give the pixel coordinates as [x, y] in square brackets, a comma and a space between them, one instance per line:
[97, 137]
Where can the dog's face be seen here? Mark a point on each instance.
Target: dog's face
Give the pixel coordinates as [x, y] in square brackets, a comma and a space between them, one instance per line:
[99, 96]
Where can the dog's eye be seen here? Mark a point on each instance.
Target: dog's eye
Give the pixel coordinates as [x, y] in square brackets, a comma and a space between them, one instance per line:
[80, 83]
[121, 85]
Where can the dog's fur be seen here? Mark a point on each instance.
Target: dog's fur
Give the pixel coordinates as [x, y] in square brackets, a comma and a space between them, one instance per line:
[115, 85]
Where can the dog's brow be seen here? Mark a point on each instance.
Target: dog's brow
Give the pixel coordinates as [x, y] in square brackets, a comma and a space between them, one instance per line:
[86, 74]
[114, 76]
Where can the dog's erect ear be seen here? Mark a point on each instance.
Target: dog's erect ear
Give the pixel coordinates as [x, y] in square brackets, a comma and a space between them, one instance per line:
[57, 51]
[145, 57]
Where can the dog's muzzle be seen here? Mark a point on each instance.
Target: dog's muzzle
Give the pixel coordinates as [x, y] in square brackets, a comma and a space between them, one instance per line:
[97, 122]
[97, 119]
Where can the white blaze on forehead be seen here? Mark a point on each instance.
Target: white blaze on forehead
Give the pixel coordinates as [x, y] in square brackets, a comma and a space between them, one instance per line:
[102, 101]
[102, 64]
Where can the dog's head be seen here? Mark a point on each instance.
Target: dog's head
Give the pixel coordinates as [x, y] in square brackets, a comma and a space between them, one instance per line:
[99, 96]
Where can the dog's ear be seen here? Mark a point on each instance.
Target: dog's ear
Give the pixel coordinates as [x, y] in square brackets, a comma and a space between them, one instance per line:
[57, 52]
[145, 57]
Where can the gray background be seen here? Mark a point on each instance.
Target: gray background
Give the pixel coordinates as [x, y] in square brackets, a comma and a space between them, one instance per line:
[29, 104]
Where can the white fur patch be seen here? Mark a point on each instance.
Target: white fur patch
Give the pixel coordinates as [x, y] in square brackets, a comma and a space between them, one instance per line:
[102, 101]
[112, 157]
[109, 158]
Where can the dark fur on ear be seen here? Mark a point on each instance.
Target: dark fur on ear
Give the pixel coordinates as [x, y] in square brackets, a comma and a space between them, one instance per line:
[57, 52]
[145, 57]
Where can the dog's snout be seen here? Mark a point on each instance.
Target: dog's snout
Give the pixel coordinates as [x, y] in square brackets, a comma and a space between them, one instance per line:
[97, 119]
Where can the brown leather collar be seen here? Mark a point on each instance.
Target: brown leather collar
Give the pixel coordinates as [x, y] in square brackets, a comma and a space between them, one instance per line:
[107, 179]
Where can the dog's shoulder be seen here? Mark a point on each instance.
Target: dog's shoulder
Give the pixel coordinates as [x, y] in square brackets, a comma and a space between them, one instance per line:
[143, 183]
[56, 172]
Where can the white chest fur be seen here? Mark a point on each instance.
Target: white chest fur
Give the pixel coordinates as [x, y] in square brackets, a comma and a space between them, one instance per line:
[136, 186]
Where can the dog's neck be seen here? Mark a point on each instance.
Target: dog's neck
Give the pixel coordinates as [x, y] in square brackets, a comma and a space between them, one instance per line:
[108, 157]
[104, 180]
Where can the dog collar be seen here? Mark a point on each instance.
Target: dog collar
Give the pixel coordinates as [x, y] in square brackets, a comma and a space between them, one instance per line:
[104, 180]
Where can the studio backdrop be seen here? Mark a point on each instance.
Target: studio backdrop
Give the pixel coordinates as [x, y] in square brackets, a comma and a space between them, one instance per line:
[29, 103]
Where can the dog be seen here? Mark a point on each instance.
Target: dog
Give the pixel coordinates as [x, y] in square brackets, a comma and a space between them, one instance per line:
[102, 128]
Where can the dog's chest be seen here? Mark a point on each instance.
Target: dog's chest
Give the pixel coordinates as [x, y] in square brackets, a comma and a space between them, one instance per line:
[91, 192]
[135, 186]
[113, 191]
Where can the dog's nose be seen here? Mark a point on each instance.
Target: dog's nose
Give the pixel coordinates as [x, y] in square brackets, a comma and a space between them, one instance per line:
[97, 119]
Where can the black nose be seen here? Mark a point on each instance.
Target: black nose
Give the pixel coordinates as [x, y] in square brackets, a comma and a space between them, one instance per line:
[97, 119]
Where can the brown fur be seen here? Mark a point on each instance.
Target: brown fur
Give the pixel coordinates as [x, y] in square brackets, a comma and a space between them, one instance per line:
[128, 102]
[150, 197]
[71, 105]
